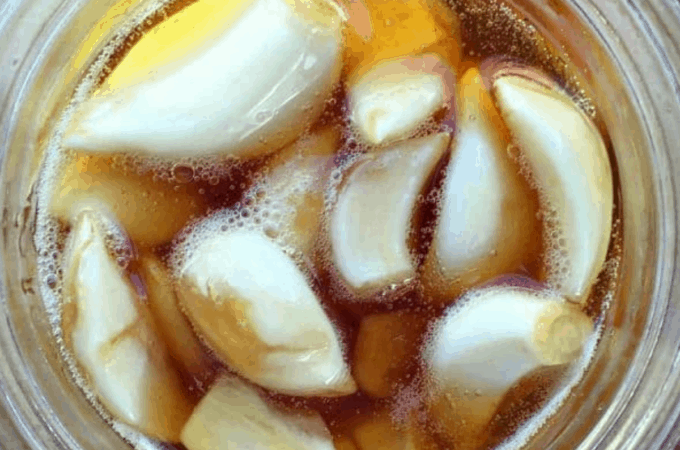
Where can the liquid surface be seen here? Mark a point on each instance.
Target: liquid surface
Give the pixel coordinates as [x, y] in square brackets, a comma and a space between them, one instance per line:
[382, 339]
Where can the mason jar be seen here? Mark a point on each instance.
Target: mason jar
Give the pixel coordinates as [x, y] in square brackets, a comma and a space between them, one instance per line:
[628, 52]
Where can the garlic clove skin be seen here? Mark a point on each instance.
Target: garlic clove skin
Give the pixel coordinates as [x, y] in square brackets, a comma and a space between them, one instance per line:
[394, 97]
[114, 341]
[569, 164]
[487, 212]
[247, 91]
[255, 308]
[371, 221]
[233, 416]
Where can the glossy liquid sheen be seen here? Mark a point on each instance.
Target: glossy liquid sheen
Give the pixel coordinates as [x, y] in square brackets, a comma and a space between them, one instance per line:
[198, 186]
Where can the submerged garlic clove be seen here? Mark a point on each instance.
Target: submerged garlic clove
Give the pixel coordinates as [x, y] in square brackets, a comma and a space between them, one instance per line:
[233, 416]
[255, 308]
[135, 200]
[487, 212]
[182, 342]
[384, 432]
[385, 349]
[294, 187]
[371, 221]
[385, 29]
[490, 340]
[246, 85]
[114, 341]
[568, 161]
[393, 98]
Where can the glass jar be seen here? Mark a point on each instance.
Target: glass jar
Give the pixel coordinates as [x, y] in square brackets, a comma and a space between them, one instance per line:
[629, 52]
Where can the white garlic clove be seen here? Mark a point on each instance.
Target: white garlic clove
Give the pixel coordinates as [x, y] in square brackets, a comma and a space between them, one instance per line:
[487, 211]
[255, 308]
[114, 342]
[233, 416]
[495, 336]
[393, 98]
[570, 166]
[371, 221]
[248, 86]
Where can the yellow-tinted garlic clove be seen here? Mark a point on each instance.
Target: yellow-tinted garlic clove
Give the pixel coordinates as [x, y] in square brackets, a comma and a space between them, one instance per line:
[255, 308]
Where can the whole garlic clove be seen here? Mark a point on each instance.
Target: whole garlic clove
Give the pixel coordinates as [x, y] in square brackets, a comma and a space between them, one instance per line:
[487, 212]
[114, 341]
[255, 308]
[570, 166]
[247, 88]
[233, 416]
[394, 97]
[371, 221]
[487, 342]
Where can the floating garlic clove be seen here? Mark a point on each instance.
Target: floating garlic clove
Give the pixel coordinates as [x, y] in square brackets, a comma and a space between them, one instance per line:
[247, 85]
[183, 344]
[487, 210]
[569, 164]
[391, 99]
[114, 342]
[255, 308]
[134, 199]
[490, 340]
[233, 416]
[370, 224]
[383, 432]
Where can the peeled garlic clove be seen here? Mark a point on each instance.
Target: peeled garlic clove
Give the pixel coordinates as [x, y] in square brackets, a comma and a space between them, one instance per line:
[255, 308]
[183, 344]
[568, 161]
[394, 97]
[233, 416]
[385, 346]
[294, 188]
[493, 337]
[370, 224]
[382, 432]
[487, 211]
[113, 341]
[248, 86]
[134, 199]
[486, 343]
[399, 28]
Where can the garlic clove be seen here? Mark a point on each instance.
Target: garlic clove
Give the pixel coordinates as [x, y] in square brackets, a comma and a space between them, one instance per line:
[394, 97]
[183, 344]
[255, 308]
[487, 212]
[113, 339]
[233, 416]
[568, 161]
[248, 88]
[487, 342]
[135, 200]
